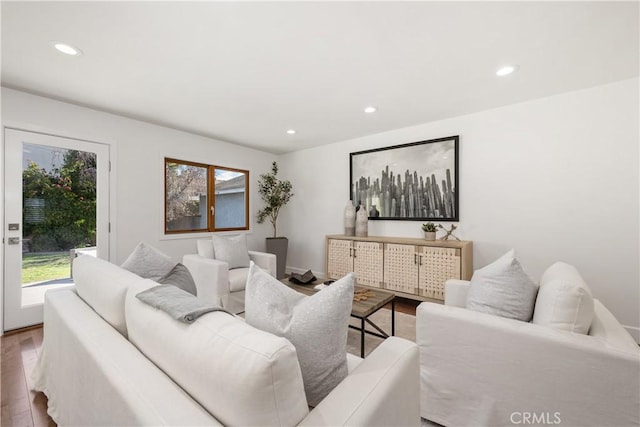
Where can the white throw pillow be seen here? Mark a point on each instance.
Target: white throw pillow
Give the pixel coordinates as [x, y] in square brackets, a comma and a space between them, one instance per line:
[232, 250]
[205, 248]
[502, 288]
[148, 262]
[317, 326]
[564, 301]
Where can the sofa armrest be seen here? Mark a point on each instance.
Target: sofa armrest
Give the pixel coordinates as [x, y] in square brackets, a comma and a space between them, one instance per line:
[265, 261]
[381, 391]
[477, 368]
[210, 275]
[455, 292]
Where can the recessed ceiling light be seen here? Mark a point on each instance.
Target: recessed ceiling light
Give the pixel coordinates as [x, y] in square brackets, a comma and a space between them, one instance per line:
[291, 131]
[66, 48]
[370, 109]
[506, 70]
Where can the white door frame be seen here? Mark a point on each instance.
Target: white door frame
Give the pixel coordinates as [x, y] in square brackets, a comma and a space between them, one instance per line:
[13, 315]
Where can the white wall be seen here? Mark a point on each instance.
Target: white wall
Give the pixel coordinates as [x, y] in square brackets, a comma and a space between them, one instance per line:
[555, 178]
[138, 151]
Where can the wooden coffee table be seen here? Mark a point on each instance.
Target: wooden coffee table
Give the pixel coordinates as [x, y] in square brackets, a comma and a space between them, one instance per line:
[361, 310]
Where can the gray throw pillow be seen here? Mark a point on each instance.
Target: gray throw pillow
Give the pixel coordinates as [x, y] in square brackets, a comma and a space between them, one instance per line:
[148, 262]
[316, 325]
[502, 288]
[179, 276]
[232, 250]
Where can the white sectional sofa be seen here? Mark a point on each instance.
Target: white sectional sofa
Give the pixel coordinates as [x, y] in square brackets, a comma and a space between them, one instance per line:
[481, 369]
[109, 359]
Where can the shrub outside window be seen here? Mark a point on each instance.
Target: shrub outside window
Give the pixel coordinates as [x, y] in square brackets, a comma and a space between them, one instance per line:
[203, 198]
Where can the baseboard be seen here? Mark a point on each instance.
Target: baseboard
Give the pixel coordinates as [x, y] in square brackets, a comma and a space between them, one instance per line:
[289, 269]
[634, 331]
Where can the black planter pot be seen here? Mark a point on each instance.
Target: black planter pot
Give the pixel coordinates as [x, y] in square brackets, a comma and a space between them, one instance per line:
[278, 246]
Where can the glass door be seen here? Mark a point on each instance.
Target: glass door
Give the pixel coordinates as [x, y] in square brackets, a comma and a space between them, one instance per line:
[56, 206]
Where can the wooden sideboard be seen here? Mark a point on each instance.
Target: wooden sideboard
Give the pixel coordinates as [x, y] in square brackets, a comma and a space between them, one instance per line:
[411, 268]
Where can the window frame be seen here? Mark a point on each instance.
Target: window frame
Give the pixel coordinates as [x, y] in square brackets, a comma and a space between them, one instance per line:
[211, 197]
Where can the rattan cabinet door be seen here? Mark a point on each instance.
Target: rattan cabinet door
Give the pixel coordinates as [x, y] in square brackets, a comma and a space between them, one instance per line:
[400, 268]
[437, 265]
[367, 263]
[339, 258]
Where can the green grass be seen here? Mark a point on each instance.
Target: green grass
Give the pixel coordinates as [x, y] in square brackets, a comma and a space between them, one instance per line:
[38, 267]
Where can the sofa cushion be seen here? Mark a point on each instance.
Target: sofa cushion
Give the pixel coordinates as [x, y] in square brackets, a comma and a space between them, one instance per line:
[238, 279]
[241, 375]
[104, 286]
[180, 277]
[503, 288]
[232, 250]
[148, 262]
[564, 300]
[316, 325]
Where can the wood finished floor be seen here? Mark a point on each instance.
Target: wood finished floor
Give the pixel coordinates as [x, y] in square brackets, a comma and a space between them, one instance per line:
[22, 407]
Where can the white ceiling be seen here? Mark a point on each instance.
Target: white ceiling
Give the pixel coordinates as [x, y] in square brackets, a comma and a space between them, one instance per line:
[246, 72]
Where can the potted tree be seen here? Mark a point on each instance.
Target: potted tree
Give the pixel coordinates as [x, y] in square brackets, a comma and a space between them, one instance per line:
[275, 193]
[429, 231]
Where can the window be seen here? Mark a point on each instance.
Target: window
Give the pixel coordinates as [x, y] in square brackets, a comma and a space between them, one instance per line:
[200, 198]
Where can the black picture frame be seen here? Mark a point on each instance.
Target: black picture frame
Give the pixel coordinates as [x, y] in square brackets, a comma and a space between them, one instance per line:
[397, 182]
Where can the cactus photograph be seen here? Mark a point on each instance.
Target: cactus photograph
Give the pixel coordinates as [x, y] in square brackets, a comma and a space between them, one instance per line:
[416, 181]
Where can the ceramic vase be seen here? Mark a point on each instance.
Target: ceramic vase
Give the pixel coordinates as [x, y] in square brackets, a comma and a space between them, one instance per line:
[429, 235]
[350, 219]
[362, 223]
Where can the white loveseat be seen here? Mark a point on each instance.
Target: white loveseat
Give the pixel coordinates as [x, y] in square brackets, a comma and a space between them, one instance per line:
[219, 284]
[480, 369]
[109, 359]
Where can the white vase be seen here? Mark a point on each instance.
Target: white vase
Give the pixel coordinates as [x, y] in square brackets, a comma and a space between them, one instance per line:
[430, 235]
[362, 223]
[350, 219]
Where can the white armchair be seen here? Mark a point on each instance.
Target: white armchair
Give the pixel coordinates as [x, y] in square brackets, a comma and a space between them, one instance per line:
[214, 280]
[481, 369]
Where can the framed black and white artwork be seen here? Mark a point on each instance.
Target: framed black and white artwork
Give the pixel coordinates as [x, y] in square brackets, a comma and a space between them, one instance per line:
[414, 182]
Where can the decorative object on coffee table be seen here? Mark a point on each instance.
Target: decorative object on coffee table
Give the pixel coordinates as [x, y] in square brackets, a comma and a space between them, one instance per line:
[429, 229]
[350, 219]
[362, 294]
[275, 193]
[362, 223]
[302, 279]
[369, 302]
[449, 232]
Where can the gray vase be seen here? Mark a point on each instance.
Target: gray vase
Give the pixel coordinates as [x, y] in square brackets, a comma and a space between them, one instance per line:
[350, 219]
[278, 246]
[362, 223]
